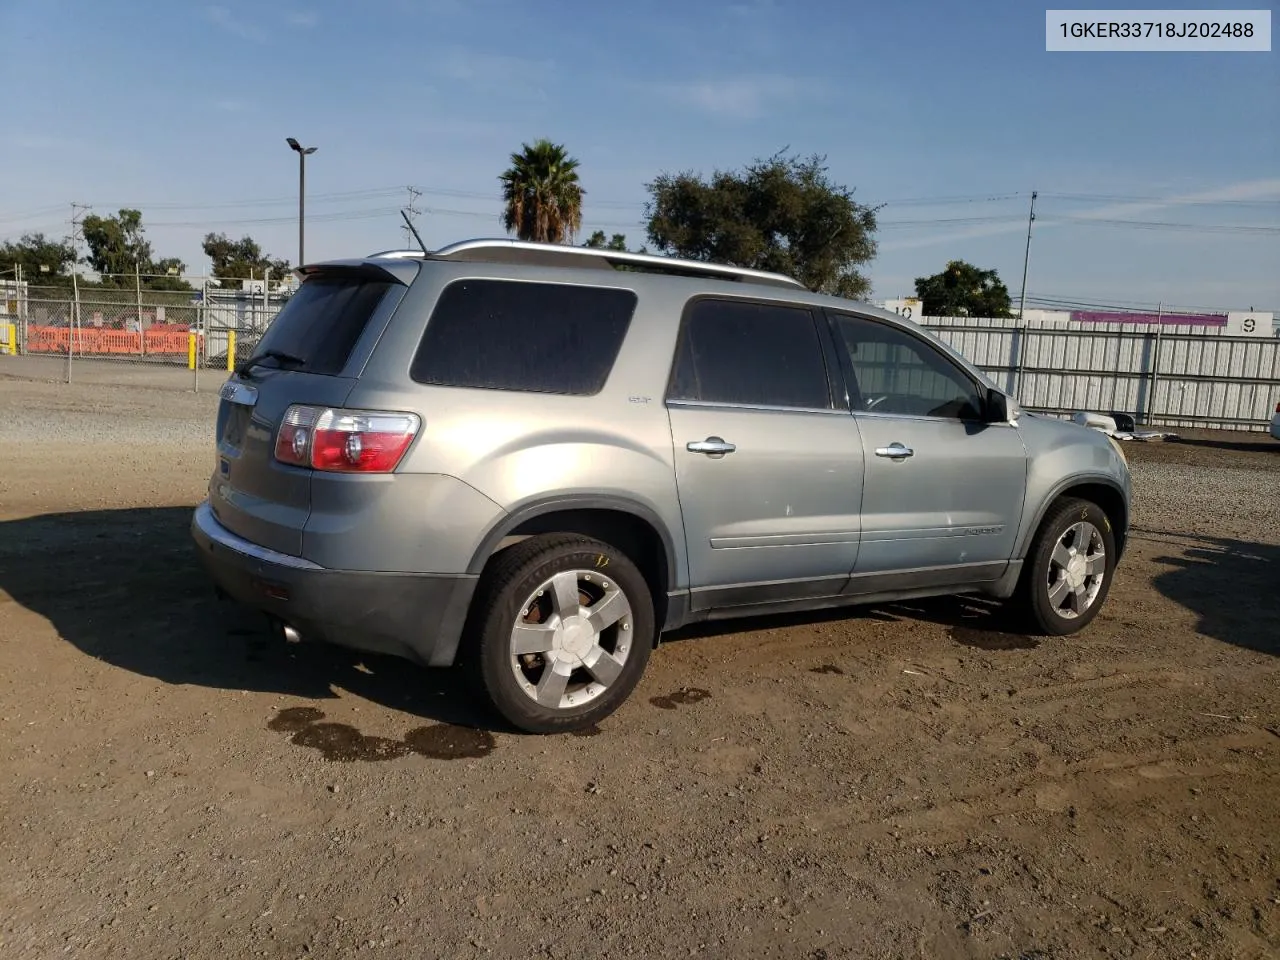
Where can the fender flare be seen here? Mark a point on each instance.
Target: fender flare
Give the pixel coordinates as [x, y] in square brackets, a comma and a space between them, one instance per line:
[604, 502]
[1026, 536]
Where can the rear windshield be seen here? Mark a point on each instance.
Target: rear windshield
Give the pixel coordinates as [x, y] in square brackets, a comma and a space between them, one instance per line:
[322, 322]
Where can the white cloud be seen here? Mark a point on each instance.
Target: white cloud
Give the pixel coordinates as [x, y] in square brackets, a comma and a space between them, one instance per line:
[1246, 190]
[226, 20]
[303, 18]
[479, 70]
[740, 98]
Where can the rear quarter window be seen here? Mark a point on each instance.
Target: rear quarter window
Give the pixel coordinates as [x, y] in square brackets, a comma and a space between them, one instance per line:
[524, 337]
[322, 322]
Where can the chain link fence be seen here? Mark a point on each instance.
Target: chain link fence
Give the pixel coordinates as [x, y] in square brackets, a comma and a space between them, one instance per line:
[192, 323]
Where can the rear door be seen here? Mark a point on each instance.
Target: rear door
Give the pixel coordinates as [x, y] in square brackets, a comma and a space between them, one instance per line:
[303, 358]
[943, 489]
[768, 470]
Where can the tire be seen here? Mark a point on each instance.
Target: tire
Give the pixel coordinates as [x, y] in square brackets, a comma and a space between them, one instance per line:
[1058, 595]
[522, 599]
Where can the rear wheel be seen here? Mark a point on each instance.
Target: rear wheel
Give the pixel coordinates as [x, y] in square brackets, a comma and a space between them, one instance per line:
[561, 632]
[1069, 569]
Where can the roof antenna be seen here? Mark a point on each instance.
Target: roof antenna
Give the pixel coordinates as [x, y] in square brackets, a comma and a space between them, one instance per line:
[409, 223]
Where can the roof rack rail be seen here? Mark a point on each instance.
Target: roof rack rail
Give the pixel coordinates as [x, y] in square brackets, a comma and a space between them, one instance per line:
[504, 250]
[397, 255]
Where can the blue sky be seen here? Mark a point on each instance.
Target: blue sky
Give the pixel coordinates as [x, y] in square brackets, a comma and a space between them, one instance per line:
[949, 113]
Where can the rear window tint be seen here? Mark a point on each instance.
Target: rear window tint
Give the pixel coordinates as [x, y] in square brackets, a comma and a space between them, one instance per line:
[758, 354]
[322, 322]
[525, 337]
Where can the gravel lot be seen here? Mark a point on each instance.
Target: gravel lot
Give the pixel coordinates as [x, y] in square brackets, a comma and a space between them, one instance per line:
[903, 781]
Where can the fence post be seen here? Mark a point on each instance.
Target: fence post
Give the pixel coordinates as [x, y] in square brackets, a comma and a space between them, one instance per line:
[1155, 376]
[137, 286]
[202, 321]
[1020, 334]
[73, 319]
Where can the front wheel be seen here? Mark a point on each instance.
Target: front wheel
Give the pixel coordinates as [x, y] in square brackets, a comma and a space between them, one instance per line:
[1069, 569]
[561, 632]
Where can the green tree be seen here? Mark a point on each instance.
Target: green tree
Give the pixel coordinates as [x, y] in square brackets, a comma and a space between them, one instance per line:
[117, 246]
[541, 194]
[166, 274]
[963, 290]
[118, 249]
[241, 259]
[781, 214]
[617, 242]
[43, 261]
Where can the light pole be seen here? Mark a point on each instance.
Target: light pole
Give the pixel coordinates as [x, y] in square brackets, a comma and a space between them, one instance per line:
[302, 190]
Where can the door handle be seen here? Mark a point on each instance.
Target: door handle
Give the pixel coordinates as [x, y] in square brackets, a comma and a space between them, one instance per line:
[712, 446]
[895, 451]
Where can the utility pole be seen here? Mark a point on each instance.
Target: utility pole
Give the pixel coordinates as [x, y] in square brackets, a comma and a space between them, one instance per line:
[1026, 257]
[73, 322]
[411, 212]
[303, 153]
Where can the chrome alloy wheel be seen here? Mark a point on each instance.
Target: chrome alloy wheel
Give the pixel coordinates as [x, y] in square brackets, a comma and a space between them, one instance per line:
[571, 639]
[1077, 570]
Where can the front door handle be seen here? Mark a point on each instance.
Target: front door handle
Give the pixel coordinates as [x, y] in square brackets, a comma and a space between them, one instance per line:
[895, 451]
[712, 446]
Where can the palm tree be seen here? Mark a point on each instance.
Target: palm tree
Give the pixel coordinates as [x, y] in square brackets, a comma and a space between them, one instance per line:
[542, 195]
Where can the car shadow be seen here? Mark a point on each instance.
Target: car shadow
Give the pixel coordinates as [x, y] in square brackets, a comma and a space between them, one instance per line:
[126, 587]
[971, 620]
[1231, 586]
[1255, 443]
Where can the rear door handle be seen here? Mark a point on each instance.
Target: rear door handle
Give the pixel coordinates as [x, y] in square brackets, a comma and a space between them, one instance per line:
[895, 451]
[712, 446]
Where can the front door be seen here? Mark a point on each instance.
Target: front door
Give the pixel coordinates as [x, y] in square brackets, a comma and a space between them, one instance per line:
[768, 471]
[943, 489]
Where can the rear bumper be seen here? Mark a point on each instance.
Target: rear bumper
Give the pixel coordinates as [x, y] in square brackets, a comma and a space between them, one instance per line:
[418, 616]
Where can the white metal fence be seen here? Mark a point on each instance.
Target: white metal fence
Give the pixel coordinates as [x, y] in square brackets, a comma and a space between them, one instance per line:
[1162, 376]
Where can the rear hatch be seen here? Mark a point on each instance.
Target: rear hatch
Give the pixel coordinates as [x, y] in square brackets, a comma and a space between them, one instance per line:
[307, 356]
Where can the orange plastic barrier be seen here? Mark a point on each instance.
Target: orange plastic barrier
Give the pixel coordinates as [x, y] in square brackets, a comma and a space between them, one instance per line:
[170, 340]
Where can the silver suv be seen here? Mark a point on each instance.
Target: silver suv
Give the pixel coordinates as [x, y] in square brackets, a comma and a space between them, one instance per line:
[533, 460]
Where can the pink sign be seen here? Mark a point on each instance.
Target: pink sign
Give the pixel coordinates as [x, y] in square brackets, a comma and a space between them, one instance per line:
[1175, 319]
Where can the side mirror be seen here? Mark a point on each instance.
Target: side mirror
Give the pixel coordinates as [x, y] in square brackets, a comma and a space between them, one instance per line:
[998, 407]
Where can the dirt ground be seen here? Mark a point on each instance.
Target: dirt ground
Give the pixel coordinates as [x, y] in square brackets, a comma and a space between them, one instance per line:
[902, 781]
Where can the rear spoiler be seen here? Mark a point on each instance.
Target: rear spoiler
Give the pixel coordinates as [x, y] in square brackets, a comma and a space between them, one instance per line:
[395, 271]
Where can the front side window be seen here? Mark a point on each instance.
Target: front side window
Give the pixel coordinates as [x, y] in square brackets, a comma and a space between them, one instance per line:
[894, 372]
[755, 354]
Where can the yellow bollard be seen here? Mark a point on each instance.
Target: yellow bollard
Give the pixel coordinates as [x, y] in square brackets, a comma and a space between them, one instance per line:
[231, 350]
[11, 339]
[191, 351]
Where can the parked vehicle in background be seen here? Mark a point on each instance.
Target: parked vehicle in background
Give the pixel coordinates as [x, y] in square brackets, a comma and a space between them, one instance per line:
[532, 460]
[1275, 423]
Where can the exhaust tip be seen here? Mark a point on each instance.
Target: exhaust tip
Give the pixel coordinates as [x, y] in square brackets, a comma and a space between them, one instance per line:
[290, 634]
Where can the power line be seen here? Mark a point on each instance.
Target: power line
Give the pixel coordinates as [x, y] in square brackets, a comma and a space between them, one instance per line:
[1170, 225]
[1166, 201]
[335, 197]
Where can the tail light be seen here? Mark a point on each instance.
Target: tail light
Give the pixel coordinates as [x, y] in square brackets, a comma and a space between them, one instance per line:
[345, 441]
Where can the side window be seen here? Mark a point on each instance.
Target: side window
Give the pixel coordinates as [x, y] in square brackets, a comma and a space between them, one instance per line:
[761, 354]
[525, 337]
[895, 372]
